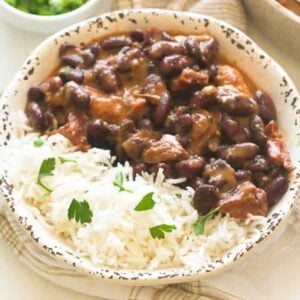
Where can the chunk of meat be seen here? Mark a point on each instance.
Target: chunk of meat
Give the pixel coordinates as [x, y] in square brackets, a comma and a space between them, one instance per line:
[203, 128]
[228, 75]
[137, 142]
[111, 110]
[244, 200]
[114, 109]
[189, 78]
[276, 148]
[75, 131]
[165, 149]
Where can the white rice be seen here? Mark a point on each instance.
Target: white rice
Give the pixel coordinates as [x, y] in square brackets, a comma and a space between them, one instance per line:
[118, 236]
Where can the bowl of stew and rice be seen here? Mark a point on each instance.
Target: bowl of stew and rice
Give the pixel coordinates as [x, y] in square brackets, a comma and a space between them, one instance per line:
[142, 154]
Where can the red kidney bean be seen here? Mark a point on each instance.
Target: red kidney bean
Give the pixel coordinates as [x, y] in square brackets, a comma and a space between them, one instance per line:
[95, 49]
[66, 47]
[205, 198]
[153, 35]
[72, 60]
[243, 175]
[174, 64]
[139, 168]
[145, 124]
[38, 118]
[200, 100]
[55, 83]
[96, 132]
[195, 182]
[69, 74]
[89, 58]
[127, 57]
[237, 105]
[165, 48]
[266, 106]
[77, 94]
[276, 188]
[238, 153]
[184, 141]
[190, 167]
[203, 50]
[35, 93]
[257, 129]
[137, 35]
[234, 130]
[161, 110]
[107, 78]
[212, 72]
[258, 163]
[185, 122]
[168, 171]
[115, 42]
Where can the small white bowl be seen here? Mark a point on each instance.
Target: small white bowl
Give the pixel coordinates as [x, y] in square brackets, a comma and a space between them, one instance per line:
[48, 24]
[280, 24]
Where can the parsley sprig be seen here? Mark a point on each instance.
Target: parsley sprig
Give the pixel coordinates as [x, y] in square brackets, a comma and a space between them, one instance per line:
[119, 181]
[46, 169]
[200, 224]
[64, 160]
[38, 142]
[80, 211]
[159, 230]
[146, 203]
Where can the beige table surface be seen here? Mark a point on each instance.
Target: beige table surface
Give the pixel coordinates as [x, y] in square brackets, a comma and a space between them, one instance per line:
[18, 283]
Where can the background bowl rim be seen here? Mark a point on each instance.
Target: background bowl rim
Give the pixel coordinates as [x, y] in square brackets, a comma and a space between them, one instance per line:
[284, 11]
[126, 276]
[45, 19]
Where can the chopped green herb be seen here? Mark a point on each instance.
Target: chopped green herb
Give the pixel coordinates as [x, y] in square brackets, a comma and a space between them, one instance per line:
[80, 211]
[146, 203]
[46, 169]
[159, 230]
[118, 182]
[46, 7]
[200, 224]
[66, 160]
[38, 143]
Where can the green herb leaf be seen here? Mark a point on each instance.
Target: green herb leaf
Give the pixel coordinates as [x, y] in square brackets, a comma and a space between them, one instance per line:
[38, 143]
[80, 211]
[66, 160]
[118, 182]
[200, 224]
[146, 203]
[159, 230]
[46, 169]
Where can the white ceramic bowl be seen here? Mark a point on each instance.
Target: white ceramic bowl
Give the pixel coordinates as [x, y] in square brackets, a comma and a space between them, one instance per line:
[278, 23]
[236, 48]
[50, 24]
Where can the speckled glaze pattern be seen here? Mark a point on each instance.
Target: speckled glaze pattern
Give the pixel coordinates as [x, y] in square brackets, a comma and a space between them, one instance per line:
[278, 23]
[236, 47]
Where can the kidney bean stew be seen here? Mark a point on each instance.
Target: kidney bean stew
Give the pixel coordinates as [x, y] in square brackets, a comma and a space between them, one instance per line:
[163, 101]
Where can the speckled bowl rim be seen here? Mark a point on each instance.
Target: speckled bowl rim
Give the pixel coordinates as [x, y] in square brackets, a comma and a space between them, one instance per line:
[143, 277]
[284, 11]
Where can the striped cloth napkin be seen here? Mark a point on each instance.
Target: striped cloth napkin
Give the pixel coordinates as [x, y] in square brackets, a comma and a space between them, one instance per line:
[25, 249]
